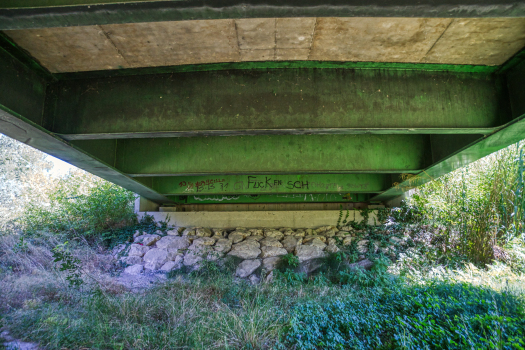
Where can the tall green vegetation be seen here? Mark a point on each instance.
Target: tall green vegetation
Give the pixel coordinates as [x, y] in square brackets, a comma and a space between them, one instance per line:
[479, 208]
[81, 204]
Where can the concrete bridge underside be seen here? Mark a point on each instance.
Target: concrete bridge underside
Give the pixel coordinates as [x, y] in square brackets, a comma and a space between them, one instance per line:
[282, 103]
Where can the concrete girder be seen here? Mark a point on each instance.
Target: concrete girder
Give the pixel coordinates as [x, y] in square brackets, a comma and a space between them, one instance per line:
[16, 14]
[270, 184]
[279, 101]
[264, 154]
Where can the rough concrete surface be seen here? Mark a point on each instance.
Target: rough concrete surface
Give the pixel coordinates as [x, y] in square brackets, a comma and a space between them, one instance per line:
[481, 41]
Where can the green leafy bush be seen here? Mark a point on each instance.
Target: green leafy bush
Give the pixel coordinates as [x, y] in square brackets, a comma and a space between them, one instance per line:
[438, 316]
[82, 205]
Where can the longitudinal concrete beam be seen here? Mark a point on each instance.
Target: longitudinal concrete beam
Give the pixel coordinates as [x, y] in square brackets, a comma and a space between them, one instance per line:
[17, 14]
[270, 184]
[264, 154]
[279, 101]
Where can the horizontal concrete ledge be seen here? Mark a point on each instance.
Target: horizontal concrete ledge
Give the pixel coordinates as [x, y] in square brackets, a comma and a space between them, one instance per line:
[250, 219]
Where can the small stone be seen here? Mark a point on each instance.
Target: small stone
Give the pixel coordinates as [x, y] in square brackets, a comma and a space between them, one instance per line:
[218, 232]
[155, 258]
[269, 277]
[236, 237]
[346, 228]
[256, 232]
[175, 242]
[159, 232]
[134, 269]
[268, 252]
[136, 234]
[309, 238]
[331, 248]
[300, 234]
[138, 250]
[270, 264]
[254, 279]
[309, 232]
[173, 232]
[329, 233]
[247, 267]
[188, 232]
[307, 252]
[362, 246]
[255, 237]
[191, 238]
[347, 241]
[246, 250]
[270, 242]
[203, 232]
[195, 254]
[170, 265]
[322, 229]
[223, 245]
[274, 234]
[289, 243]
[331, 241]
[204, 241]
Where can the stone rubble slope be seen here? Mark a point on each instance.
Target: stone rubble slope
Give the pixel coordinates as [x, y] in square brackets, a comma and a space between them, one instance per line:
[257, 247]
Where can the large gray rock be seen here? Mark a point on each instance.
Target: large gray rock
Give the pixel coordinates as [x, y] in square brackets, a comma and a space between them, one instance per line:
[268, 252]
[270, 264]
[270, 242]
[167, 267]
[203, 232]
[289, 243]
[247, 267]
[223, 245]
[195, 254]
[138, 250]
[155, 258]
[363, 264]
[147, 239]
[174, 242]
[134, 269]
[236, 237]
[316, 242]
[307, 252]
[246, 250]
